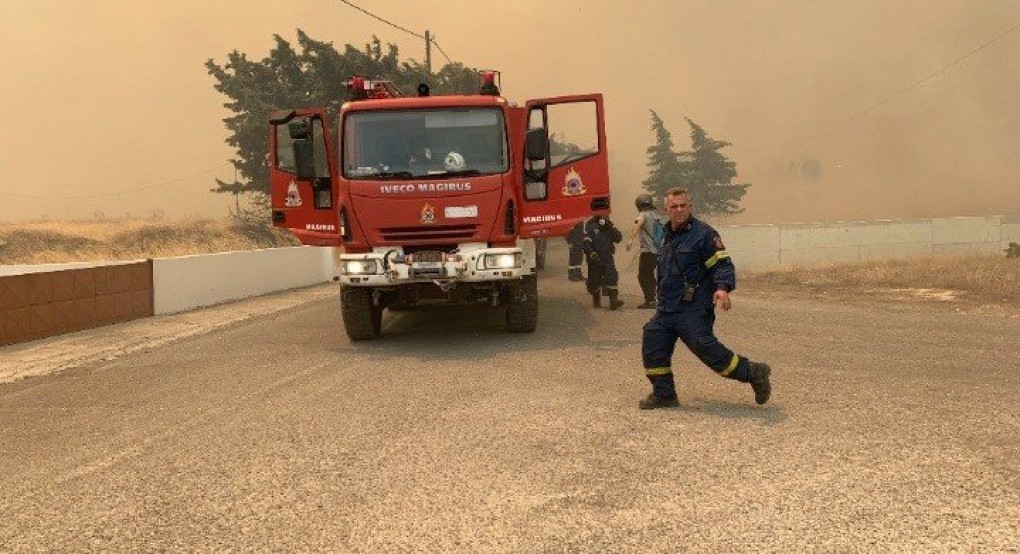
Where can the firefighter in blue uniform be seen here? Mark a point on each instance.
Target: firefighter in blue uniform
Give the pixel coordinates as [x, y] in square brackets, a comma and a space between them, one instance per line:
[600, 239]
[575, 239]
[695, 275]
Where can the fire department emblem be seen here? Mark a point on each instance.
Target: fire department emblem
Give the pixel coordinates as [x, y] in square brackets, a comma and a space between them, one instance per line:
[428, 214]
[572, 184]
[293, 196]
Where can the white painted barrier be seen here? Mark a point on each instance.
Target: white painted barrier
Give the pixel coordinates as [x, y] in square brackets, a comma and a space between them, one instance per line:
[193, 281]
[203, 280]
[758, 247]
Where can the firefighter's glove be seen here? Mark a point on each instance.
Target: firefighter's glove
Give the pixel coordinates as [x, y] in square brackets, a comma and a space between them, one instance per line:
[594, 256]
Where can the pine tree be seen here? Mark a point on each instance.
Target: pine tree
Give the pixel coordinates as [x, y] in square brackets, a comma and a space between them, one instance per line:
[310, 77]
[708, 175]
[664, 168]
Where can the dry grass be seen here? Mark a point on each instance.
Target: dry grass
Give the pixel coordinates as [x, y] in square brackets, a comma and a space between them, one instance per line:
[73, 241]
[984, 278]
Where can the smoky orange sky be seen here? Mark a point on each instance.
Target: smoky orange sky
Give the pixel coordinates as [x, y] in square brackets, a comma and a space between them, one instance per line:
[108, 108]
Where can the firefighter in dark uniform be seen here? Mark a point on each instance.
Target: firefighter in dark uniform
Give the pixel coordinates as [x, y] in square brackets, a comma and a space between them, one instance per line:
[695, 275]
[600, 239]
[575, 239]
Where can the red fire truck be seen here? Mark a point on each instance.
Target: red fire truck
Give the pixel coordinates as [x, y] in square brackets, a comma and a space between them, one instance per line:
[436, 198]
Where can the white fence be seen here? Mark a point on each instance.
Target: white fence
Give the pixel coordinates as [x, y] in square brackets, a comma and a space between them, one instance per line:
[773, 246]
[193, 281]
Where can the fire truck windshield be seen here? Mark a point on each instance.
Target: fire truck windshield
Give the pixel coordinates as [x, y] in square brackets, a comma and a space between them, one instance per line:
[409, 144]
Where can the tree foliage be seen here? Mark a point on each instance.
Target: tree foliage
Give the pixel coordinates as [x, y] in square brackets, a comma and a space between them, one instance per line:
[311, 76]
[708, 175]
[704, 171]
[664, 168]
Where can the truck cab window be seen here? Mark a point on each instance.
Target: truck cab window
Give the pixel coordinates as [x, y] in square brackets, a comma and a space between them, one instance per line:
[536, 120]
[573, 131]
[416, 143]
[285, 149]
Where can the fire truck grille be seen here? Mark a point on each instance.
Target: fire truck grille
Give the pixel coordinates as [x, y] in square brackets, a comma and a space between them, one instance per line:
[447, 233]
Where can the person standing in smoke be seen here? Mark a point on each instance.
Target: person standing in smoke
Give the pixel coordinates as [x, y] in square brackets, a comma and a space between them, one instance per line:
[600, 239]
[645, 228]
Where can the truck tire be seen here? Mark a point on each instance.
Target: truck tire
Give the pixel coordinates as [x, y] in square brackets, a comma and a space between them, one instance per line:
[540, 246]
[522, 307]
[362, 318]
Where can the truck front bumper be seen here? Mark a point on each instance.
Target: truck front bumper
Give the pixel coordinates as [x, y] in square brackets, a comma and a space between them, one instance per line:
[391, 267]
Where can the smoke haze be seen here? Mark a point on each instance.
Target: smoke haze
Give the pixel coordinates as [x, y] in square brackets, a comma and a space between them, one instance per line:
[108, 107]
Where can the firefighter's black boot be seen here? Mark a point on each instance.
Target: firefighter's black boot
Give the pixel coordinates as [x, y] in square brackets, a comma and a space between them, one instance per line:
[574, 275]
[758, 376]
[614, 299]
[652, 402]
[596, 300]
[663, 393]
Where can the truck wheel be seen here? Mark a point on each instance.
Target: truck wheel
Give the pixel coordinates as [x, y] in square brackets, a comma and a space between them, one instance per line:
[540, 245]
[522, 307]
[362, 319]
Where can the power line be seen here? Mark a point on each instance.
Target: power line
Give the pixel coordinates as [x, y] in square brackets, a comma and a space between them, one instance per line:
[917, 83]
[124, 191]
[394, 25]
[390, 23]
[936, 73]
[440, 48]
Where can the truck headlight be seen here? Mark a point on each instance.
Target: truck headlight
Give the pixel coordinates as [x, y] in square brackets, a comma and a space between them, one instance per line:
[502, 261]
[360, 267]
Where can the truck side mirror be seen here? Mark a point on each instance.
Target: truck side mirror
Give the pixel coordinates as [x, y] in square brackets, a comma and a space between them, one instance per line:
[304, 160]
[536, 144]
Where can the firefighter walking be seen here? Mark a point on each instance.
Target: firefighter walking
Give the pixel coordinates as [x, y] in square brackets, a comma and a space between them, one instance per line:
[599, 243]
[696, 275]
[575, 240]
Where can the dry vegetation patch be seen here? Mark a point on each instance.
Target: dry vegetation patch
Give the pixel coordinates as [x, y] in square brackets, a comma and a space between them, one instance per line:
[981, 278]
[107, 240]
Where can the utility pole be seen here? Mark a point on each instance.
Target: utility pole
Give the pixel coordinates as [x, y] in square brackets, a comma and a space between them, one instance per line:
[428, 52]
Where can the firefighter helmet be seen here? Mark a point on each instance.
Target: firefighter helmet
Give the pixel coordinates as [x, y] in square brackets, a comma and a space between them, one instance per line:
[454, 162]
[644, 202]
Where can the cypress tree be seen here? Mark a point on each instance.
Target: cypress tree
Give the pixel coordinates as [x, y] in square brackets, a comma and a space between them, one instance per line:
[708, 175]
[664, 168]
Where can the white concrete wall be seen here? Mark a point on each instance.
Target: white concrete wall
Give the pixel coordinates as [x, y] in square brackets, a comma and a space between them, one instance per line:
[956, 235]
[1010, 231]
[753, 247]
[757, 247]
[193, 281]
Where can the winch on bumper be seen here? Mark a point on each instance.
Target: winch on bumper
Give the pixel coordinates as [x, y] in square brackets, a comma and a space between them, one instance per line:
[392, 267]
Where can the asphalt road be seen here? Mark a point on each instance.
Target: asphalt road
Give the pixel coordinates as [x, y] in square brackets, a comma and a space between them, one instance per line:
[893, 427]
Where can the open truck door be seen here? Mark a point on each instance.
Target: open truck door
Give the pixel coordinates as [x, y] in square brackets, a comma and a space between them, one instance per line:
[566, 177]
[302, 176]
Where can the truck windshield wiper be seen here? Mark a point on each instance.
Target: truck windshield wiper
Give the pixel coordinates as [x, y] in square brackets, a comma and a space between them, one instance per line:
[458, 173]
[391, 175]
